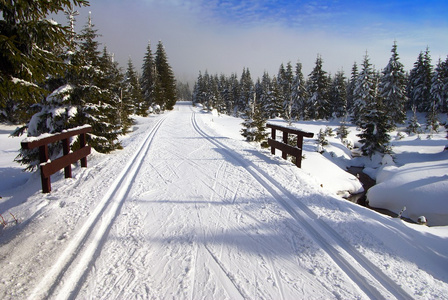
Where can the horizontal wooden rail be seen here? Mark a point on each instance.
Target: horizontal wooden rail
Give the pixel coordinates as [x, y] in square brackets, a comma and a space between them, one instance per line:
[283, 145]
[48, 168]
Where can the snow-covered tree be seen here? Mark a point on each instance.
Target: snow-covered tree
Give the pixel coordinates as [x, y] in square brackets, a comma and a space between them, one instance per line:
[165, 95]
[371, 117]
[254, 125]
[392, 88]
[317, 89]
[343, 129]
[29, 53]
[299, 94]
[414, 126]
[284, 99]
[419, 84]
[133, 99]
[265, 96]
[338, 95]
[364, 91]
[148, 78]
[351, 87]
[93, 97]
[246, 91]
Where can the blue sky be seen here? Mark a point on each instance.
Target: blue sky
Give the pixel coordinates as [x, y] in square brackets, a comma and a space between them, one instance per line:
[223, 36]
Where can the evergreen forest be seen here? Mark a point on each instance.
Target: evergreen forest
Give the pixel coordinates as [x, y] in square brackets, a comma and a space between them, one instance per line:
[376, 101]
[53, 78]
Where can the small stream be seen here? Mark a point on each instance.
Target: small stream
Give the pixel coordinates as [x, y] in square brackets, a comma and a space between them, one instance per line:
[361, 198]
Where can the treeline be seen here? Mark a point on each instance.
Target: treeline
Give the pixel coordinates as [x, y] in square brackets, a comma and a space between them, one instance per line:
[373, 100]
[54, 79]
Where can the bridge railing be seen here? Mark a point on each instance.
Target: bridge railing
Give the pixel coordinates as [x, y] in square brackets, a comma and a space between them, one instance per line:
[47, 167]
[283, 145]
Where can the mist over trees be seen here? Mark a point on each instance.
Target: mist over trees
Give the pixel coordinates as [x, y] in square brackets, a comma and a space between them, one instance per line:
[374, 100]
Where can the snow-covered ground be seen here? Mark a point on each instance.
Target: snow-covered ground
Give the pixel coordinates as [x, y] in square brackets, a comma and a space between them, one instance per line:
[188, 210]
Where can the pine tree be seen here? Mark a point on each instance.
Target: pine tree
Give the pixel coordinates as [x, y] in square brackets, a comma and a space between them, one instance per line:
[148, 78]
[112, 84]
[342, 129]
[285, 83]
[351, 88]
[419, 84]
[438, 93]
[28, 54]
[371, 112]
[392, 89]
[444, 76]
[318, 92]
[93, 97]
[414, 126]
[299, 93]
[266, 97]
[338, 95]
[234, 94]
[165, 95]
[246, 91]
[364, 91]
[254, 125]
[136, 103]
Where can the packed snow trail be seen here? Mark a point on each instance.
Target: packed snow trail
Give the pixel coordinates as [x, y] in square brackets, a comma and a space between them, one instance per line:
[83, 248]
[189, 210]
[324, 235]
[188, 218]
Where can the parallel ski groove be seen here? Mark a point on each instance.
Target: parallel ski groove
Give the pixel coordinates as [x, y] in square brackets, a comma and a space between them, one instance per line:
[348, 259]
[64, 278]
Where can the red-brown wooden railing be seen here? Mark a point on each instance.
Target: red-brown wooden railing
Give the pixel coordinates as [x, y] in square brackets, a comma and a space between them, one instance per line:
[48, 168]
[284, 146]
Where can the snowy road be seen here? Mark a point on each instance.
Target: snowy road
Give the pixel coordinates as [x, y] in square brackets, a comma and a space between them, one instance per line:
[189, 214]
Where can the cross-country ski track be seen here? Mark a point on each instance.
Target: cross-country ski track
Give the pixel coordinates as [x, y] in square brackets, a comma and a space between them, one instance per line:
[186, 213]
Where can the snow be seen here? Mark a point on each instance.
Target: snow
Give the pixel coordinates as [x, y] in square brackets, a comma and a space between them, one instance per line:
[188, 209]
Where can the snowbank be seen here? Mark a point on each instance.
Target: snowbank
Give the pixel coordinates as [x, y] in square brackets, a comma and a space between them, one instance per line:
[421, 187]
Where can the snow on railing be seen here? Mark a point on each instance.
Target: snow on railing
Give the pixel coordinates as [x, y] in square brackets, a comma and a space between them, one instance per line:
[284, 146]
[47, 167]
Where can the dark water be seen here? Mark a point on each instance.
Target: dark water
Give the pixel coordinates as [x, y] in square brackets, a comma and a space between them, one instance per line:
[361, 198]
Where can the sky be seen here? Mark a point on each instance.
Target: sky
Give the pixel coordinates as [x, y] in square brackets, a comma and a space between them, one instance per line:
[225, 36]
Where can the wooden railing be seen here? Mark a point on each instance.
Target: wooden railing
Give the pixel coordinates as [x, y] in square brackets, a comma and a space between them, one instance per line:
[48, 168]
[286, 149]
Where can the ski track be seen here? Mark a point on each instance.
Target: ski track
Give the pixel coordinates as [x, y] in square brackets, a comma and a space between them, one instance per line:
[369, 278]
[202, 259]
[73, 264]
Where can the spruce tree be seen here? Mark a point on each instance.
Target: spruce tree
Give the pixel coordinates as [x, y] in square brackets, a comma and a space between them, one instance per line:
[148, 78]
[246, 91]
[364, 91]
[165, 84]
[299, 93]
[318, 92]
[93, 97]
[351, 88]
[285, 83]
[135, 102]
[419, 84]
[392, 89]
[28, 54]
[444, 76]
[414, 126]
[371, 116]
[338, 95]
[438, 92]
[266, 97]
[254, 125]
